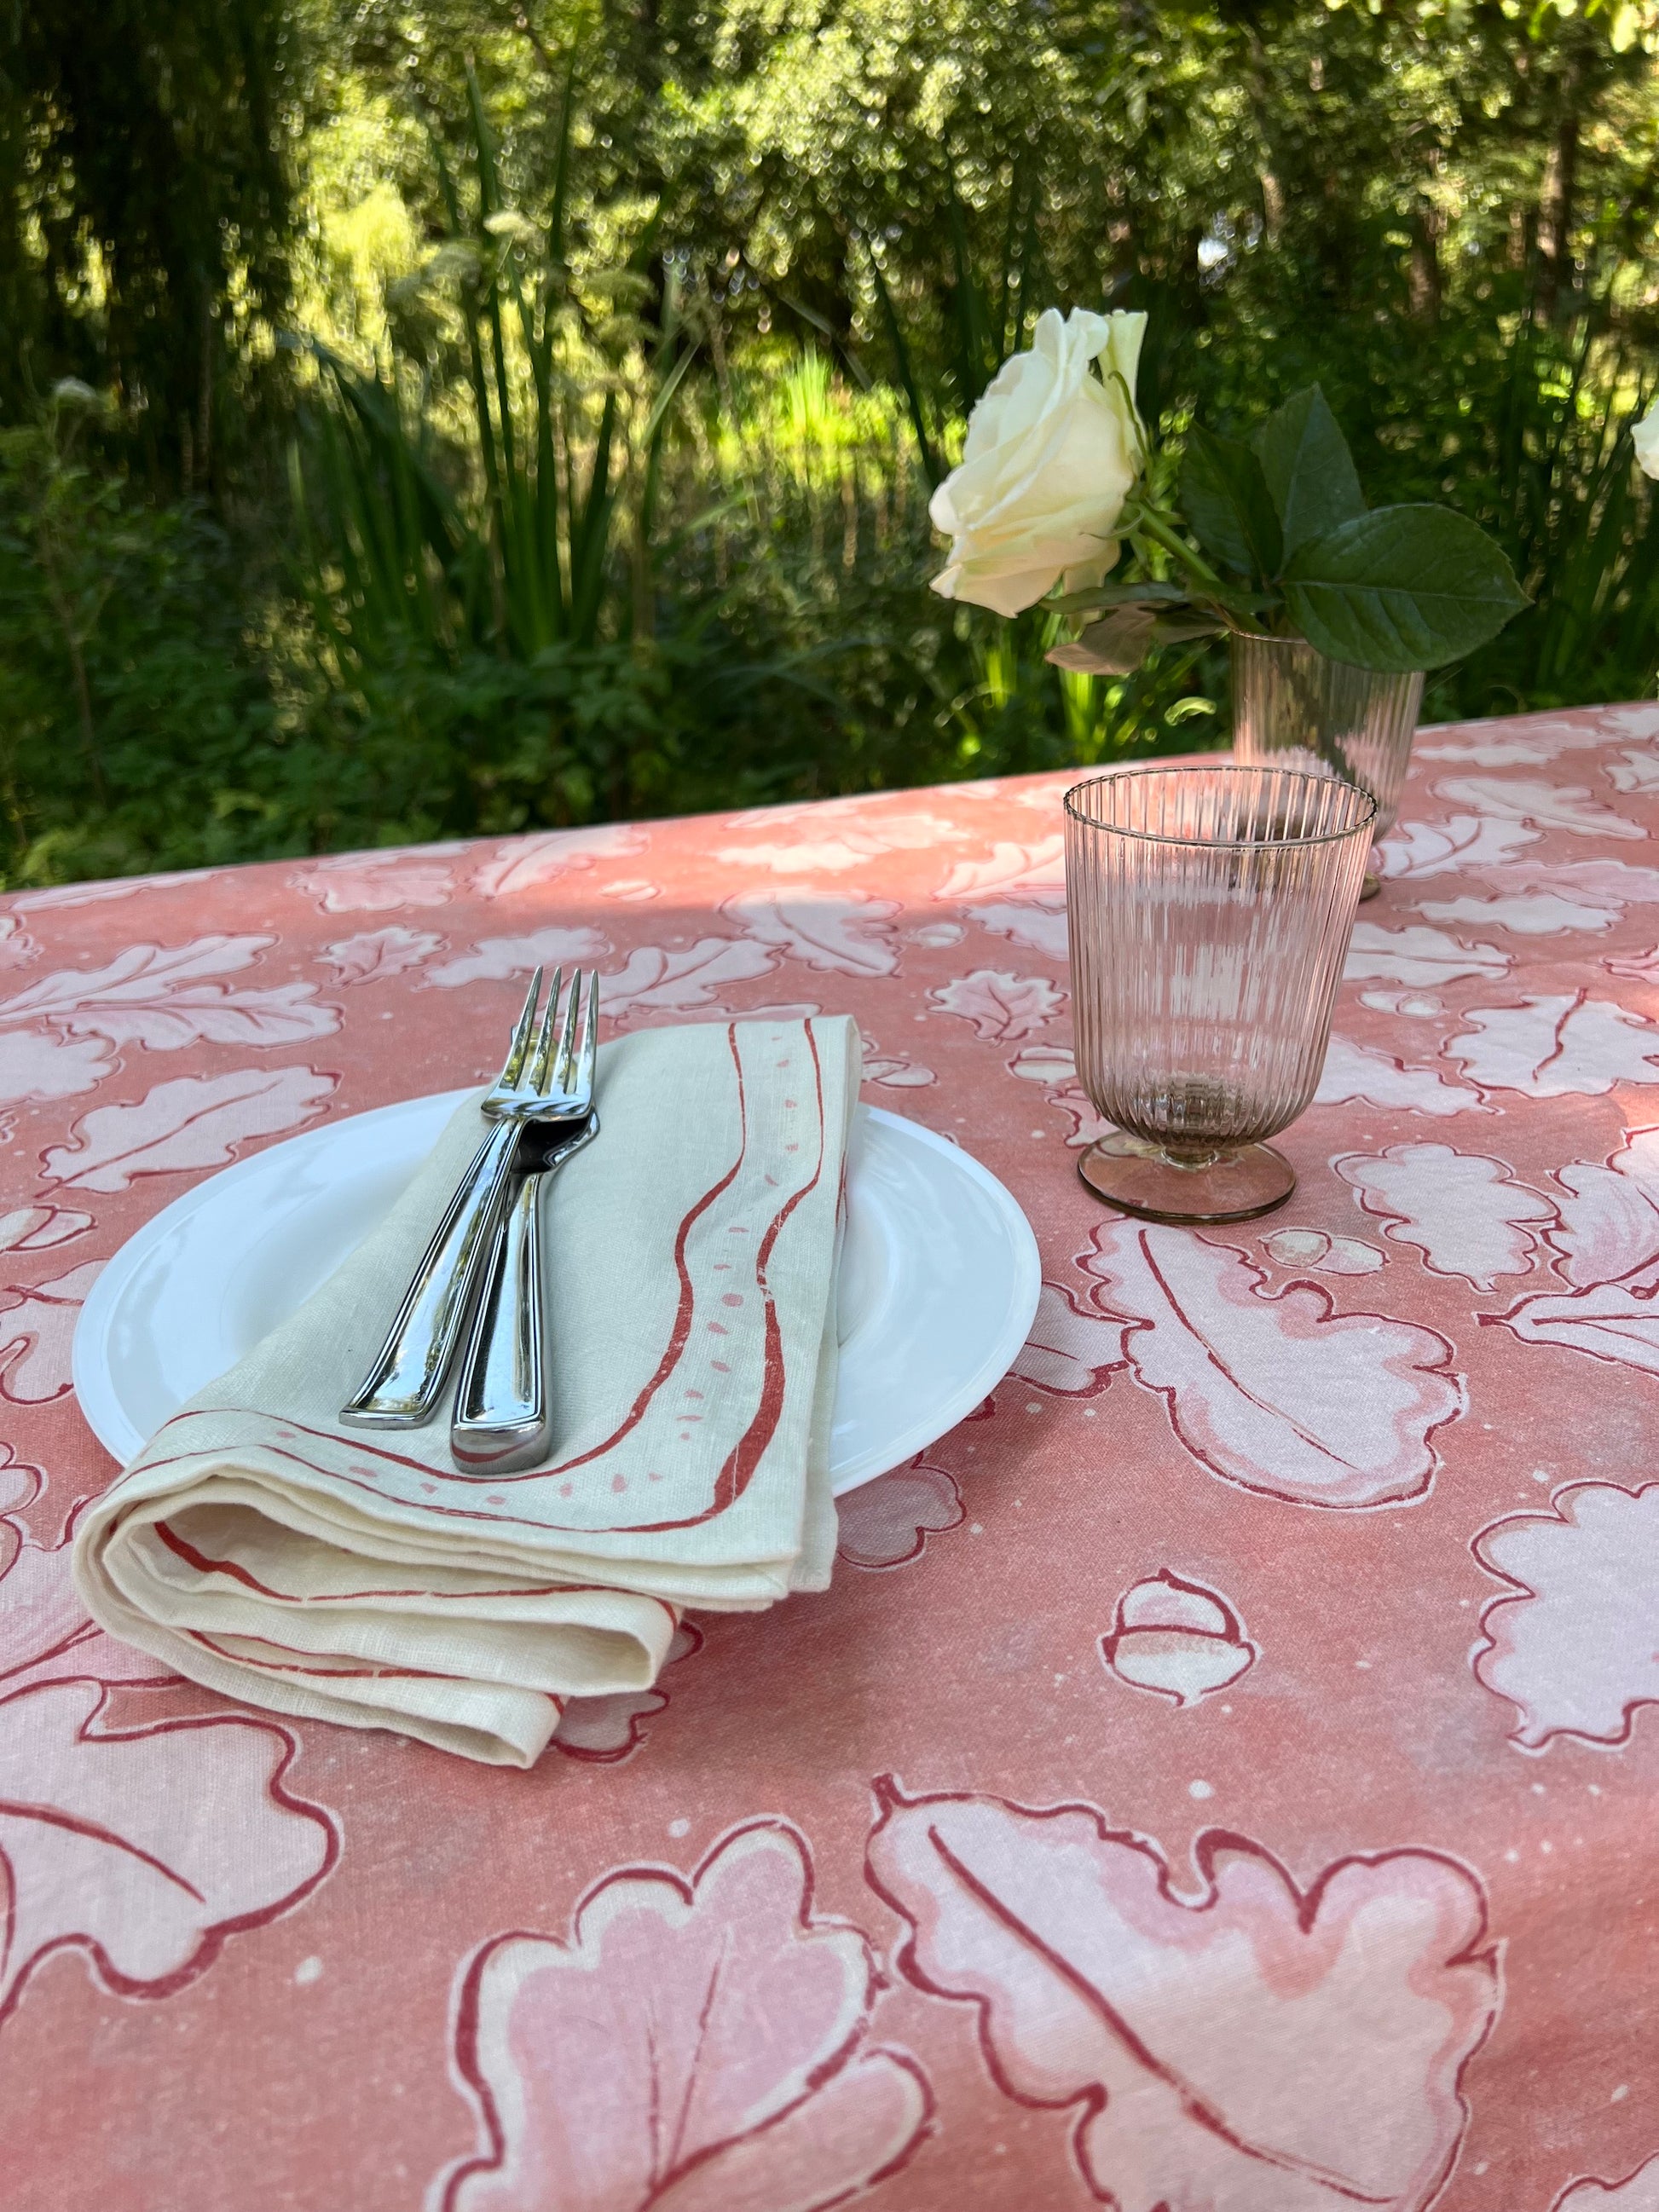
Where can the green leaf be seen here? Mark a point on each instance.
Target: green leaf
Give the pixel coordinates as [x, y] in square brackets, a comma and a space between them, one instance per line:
[1117, 595]
[1402, 588]
[1225, 500]
[1117, 646]
[1310, 470]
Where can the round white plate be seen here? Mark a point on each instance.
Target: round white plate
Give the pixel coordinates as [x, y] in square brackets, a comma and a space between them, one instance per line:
[938, 1285]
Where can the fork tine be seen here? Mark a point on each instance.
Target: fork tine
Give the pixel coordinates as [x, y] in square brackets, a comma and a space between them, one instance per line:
[562, 1052]
[536, 1074]
[586, 1050]
[513, 1066]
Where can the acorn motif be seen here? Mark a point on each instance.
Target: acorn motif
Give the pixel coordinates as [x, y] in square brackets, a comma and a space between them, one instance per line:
[1176, 1639]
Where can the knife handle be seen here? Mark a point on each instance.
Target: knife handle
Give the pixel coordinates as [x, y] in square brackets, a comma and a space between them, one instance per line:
[403, 1385]
[502, 1420]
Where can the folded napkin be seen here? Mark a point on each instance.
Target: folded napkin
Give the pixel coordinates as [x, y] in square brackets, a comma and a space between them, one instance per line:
[260, 1547]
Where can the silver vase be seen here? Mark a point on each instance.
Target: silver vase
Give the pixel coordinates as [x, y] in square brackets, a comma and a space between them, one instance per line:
[1295, 707]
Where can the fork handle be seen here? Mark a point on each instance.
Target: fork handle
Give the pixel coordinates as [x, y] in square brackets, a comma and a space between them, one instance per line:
[403, 1387]
[501, 1419]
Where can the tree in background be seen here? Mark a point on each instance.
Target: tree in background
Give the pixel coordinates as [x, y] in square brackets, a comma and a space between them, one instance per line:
[812, 229]
[149, 213]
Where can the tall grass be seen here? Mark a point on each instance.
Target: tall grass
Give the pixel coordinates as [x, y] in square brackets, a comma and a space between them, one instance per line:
[1581, 525]
[487, 601]
[519, 561]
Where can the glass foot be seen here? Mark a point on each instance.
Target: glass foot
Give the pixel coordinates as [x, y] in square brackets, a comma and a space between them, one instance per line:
[1371, 887]
[1137, 1178]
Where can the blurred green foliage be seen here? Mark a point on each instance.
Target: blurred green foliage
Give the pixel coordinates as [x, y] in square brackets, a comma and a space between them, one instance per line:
[487, 413]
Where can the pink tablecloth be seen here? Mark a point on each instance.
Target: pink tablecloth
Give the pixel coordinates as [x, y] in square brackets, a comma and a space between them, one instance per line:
[1217, 1780]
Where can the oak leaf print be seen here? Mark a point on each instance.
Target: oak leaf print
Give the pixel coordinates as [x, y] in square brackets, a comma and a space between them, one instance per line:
[887, 1522]
[378, 883]
[524, 863]
[849, 842]
[1069, 1351]
[1176, 1639]
[1577, 1651]
[35, 1067]
[894, 829]
[17, 947]
[37, 1328]
[144, 1848]
[1638, 1159]
[1419, 954]
[1040, 866]
[1636, 2192]
[1633, 771]
[1607, 1239]
[606, 1729]
[100, 894]
[1004, 1008]
[1614, 883]
[1524, 914]
[1037, 795]
[1608, 1230]
[499, 957]
[820, 856]
[1465, 1213]
[666, 979]
[165, 998]
[1434, 848]
[1609, 1321]
[1540, 805]
[1355, 1072]
[1030, 878]
[752, 817]
[46, 1634]
[1275, 1391]
[717, 2031]
[1037, 924]
[1638, 967]
[1536, 741]
[1054, 1066]
[195, 1121]
[1558, 1046]
[376, 954]
[19, 1484]
[37, 1228]
[1257, 2048]
[850, 933]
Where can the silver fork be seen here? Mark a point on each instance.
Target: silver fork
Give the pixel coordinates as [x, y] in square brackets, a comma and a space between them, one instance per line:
[402, 1386]
[502, 1418]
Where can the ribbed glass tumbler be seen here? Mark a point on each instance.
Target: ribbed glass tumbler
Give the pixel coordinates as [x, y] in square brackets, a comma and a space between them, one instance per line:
[1294, 706]
[1210, 909]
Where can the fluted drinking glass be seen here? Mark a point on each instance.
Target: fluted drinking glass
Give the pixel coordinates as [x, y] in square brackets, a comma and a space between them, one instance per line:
[1210, 909]
[1294, 706]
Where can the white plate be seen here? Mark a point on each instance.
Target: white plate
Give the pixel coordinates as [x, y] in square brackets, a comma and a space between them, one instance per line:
[938, 1283]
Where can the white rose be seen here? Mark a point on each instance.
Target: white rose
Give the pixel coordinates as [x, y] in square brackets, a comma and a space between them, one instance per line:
[1052, 452]
[1644, 436]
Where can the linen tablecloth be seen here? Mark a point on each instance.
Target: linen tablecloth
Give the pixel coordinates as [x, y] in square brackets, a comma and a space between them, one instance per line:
[1210, 1785]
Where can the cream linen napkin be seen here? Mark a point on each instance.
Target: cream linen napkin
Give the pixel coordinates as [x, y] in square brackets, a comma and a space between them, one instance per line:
[352, 1574]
